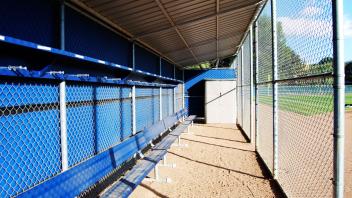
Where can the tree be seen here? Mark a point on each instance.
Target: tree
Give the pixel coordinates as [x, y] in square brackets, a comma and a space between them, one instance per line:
[348, 72]
[289, 62]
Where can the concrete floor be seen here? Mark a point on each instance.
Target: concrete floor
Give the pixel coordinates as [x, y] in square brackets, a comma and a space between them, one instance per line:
[217, 163]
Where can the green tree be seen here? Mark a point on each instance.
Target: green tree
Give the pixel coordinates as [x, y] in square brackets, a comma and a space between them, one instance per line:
[289, 62]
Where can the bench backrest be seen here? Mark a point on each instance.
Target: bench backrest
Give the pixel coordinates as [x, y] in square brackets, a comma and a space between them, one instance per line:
[80, 177]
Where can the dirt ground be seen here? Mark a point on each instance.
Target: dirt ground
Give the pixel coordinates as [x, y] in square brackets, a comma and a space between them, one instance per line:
[348, 154]
[217, 163]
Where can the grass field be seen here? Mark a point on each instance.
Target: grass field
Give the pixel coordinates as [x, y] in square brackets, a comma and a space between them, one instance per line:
[305, 104]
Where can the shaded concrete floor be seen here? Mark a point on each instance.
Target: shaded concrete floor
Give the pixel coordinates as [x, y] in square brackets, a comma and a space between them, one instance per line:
[217, 163]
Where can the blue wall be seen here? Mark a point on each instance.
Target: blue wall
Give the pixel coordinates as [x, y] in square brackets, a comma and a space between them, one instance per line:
[195, 87]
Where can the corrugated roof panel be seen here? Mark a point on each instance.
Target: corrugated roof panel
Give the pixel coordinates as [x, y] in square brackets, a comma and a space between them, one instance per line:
[185, 31]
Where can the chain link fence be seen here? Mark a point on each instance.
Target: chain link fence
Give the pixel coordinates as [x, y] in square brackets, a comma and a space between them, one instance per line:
[98, 117]
[265, 127]
[29, 138]
[297, 147]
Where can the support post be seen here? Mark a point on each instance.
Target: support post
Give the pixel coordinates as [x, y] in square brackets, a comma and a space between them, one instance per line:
[160, 103]
[275, 94]
[251, 83]
[63, 126]
[242, 96]
[134, 126]
[339, 97]
[62, 25]
[183, 91]
[256, 84]
[160, 66]
[174, 99]
[133, 56]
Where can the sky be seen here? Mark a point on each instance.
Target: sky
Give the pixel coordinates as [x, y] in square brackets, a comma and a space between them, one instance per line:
[307, 26]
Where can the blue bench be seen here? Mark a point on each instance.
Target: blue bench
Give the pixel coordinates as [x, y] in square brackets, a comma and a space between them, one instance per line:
[125, 186]
[81, 177]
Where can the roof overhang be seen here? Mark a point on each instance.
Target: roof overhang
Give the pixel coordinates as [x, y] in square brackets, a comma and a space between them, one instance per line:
[186, 32]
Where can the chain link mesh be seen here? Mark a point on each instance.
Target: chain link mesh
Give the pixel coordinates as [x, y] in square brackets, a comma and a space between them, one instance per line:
[30, 135]
[306, 104]
[246, 87]
[305, 96]
[239, 90]
[167, 101]
[147, 107]
[265, 142]
[98, 118]
[179, 101]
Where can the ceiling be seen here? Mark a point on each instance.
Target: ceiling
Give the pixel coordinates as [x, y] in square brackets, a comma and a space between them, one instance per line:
[186, 32]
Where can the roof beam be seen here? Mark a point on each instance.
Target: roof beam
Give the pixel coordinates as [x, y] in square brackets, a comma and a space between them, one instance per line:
[117, 27]
[166, 14]
[253, 3]
[200, 56]
[209, 41]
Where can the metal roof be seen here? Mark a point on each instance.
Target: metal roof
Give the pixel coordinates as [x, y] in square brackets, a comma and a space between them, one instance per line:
[186, 32]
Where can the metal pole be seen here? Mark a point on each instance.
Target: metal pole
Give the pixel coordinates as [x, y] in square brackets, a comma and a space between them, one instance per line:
[256, 83]
[160, 103]
[250, 82]
[62, 25]
[63, 126]
[134, 126]
[174, 100]
[242, 96]
[183, 89]
[160, 66]
[133, 56]
[339, 98]
[275, 95]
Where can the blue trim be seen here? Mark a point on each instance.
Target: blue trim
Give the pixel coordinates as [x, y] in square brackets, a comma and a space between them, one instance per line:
[80, 177]
[23, 72]
[54, 51]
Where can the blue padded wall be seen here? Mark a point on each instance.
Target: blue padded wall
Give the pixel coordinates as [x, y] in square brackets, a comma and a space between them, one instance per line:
[87, 37]
[30, 135]
[179, 74]
[146, 61]
[98, 117]
[36, 21]
[80, 123]
[147, 107]
[167, 69]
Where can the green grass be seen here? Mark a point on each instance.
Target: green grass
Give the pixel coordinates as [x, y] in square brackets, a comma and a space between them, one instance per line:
[302, 104]
[348, 99]
[305, 104]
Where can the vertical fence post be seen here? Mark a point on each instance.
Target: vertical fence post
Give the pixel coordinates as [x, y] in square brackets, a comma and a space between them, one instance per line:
[159, 66]
[183, 90]
[256, 83]
[134, 126]
[339, 98]
[250, 83]
[242, 96]
[174, 89]
[160, 103]
[133, 56]
[275, 87]
[63, 126]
